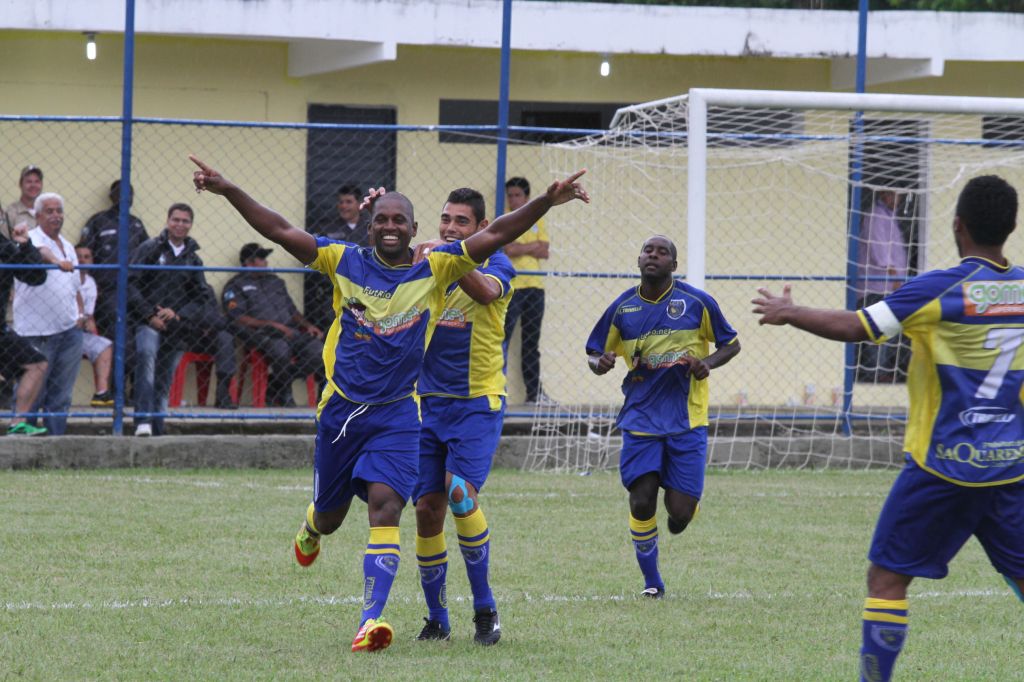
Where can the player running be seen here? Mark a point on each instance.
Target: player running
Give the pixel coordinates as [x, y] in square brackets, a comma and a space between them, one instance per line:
[662, 328]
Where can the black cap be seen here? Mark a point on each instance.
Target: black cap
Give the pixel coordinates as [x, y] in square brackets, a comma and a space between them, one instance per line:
[253, 250]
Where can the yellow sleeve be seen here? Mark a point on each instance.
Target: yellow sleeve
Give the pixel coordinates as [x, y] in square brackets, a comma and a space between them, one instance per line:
[327, 257]
[448, 267]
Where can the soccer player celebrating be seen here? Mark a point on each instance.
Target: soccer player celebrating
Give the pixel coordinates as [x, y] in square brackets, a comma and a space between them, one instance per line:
[964, 471]
[462, 385]
[368, 428]
[663, 329]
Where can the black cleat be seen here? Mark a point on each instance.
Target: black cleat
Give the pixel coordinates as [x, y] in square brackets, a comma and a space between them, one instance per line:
[488, 628]
[653, 593]
[434, 630]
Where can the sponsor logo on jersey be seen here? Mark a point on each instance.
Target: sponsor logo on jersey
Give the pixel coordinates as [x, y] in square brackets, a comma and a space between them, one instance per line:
[376, 293]
[991, 455]
[990, 298]
[452, 317]
[985, 415]
[676, 308]
[665, 360]
[630, 309]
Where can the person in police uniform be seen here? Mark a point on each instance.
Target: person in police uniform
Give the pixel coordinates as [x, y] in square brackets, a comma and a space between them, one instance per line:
[265, 318]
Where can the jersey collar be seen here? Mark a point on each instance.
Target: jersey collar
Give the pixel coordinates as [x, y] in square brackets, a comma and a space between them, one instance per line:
[990, 263]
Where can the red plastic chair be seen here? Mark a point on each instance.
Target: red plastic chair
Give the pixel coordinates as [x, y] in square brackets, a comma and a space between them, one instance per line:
[204, 368]
[255, 362]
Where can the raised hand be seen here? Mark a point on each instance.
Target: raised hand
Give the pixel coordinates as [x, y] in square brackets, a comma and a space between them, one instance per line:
[207, 178]
[369, 199]
[19, 233]
[772, 308]
[566, 190]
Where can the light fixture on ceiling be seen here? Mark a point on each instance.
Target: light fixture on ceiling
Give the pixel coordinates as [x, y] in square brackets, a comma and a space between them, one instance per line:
[606, 67]
[90, 46]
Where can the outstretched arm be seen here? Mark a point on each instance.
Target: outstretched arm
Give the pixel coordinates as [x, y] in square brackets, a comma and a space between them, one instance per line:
[505, 229]
[266, 221]
[837, 325]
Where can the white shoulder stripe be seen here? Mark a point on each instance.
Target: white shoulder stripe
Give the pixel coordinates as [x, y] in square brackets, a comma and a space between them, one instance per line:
[881, 314]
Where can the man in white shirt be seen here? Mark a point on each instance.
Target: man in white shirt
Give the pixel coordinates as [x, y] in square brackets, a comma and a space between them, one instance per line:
[49, 316]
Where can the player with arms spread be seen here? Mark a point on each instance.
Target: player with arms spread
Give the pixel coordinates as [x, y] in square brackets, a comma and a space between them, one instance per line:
[462, 385]
[368, 425]
[964, 472]
[663, 329]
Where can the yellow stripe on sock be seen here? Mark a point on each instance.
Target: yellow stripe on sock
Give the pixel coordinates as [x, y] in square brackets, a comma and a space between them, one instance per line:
[887, 604]
[430, 546]
[884, 617]
[384, 535]
[472, 525]
[386, 550]
[310, 510]
[638, 526]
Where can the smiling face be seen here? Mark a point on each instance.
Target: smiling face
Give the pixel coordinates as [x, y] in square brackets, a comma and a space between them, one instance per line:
[657, 258]
[178, 225]
[31, 187]
[50, 216]
[348, 208]
[392, 227]
[458, 222]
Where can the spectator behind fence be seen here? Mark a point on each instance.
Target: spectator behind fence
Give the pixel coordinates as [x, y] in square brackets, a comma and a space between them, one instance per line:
[23, 211]
[173, 310]
[20, 361]
[265, 318]
[98, 349]
[49, 316]
[527, 302]
[100, 235]
[350, 225]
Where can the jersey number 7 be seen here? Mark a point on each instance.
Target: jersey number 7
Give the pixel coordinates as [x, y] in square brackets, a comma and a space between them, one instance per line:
[1007, 340]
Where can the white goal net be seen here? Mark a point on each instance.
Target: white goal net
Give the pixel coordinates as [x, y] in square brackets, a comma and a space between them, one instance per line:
[843, 196]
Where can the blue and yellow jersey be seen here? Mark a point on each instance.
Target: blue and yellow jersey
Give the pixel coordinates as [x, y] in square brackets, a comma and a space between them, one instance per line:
[654, 338]
[966, 325]
[465, 358]
[383, 317]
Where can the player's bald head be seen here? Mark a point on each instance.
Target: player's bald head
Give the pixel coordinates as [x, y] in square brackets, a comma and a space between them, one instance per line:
[392, 201]
[664, 241]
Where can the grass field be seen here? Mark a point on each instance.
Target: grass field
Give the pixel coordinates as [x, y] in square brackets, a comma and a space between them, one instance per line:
[144, 574]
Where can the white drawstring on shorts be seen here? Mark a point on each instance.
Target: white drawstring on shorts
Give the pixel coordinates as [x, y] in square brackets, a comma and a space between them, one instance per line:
[355, 413]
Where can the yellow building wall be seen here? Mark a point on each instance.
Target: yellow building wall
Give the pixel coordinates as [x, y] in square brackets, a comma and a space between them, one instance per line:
[219, 79]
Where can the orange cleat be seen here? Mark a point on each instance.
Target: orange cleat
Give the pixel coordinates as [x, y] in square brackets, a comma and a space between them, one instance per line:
[307, 546]
[374, 635]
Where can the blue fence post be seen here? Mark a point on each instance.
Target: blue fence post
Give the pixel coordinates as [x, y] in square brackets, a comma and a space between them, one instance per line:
[124, 205]
[853, 245]
[503, 88]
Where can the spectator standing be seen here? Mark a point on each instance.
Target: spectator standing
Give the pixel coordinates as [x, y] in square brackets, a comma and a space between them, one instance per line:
[19, 360]
[23, 211]
[527, 302]
[350, 226]
[265, 318]
[172, 310]
[49, 316]
[100, 236]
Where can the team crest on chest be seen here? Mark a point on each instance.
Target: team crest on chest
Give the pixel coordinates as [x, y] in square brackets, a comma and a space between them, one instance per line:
[676, 308]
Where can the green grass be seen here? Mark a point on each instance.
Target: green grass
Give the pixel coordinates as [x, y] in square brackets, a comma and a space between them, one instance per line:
[147, 574]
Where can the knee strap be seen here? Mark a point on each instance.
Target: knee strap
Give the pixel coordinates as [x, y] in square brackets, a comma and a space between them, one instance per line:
[466, 503]
[1014, 586]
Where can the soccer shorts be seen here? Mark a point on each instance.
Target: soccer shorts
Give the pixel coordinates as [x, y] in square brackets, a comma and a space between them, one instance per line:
[17, 352]
[459, 435]
[679, 459]
[93, 345]
[358, 444]
[926, 520]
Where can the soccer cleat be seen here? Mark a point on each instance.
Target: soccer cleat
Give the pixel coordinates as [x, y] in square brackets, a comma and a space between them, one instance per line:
[434, 630]
[307, 546]
[374, 635]
[653, 593]
[105, 399]
[488, 628]
[25, 429]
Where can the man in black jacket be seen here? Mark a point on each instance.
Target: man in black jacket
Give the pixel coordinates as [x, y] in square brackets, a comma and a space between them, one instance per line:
[19, 360]
[173, 310]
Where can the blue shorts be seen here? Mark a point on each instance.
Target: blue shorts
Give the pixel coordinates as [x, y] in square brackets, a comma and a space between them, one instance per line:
[679, 459]
[926, 520]
[357, 444]
[459, 435]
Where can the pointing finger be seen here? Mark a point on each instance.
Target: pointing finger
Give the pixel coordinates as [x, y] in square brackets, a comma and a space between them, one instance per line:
[575, 176]
[199, 163]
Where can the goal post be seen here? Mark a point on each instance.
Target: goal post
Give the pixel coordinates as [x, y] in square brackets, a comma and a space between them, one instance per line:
[761, 188]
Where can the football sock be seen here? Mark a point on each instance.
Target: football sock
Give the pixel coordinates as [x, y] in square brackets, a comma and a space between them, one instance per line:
[475, 543]
[380, 563]
[310, 526]
[432, 557]
[645, 543]
[884, 631]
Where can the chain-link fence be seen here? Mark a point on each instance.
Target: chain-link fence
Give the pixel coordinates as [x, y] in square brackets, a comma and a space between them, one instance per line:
[218, 325]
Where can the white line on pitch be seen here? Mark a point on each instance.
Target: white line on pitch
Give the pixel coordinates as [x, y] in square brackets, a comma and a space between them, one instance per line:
[334, 600]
